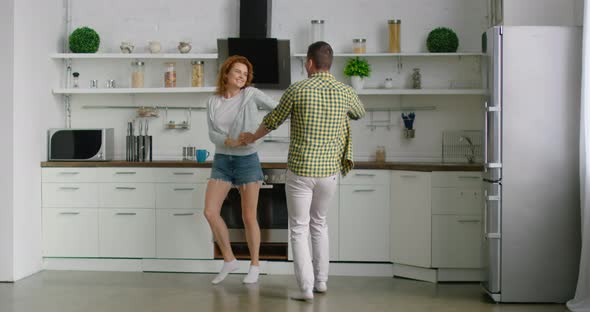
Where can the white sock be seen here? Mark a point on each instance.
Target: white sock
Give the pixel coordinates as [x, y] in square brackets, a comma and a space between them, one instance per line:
[320, 287]
[303, 295]
[252, 276]
[227, 268]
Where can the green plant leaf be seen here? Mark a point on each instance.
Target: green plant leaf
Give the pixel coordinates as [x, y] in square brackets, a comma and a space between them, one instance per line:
[442, 40]
[84, 40]
[357, 67]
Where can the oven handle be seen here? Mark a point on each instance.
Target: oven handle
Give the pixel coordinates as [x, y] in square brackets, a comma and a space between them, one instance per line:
[267, 186]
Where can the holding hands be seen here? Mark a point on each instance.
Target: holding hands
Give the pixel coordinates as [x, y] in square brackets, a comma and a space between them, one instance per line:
[234, 143]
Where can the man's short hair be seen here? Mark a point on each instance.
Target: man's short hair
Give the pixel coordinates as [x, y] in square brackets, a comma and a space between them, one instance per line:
[321, 54]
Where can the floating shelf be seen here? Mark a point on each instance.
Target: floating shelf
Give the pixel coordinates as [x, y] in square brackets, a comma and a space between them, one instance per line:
[398, 54]
[134, 90]
[171, 56]
[422, 92]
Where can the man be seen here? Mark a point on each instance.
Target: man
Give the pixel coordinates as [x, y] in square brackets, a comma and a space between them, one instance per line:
[320, 108]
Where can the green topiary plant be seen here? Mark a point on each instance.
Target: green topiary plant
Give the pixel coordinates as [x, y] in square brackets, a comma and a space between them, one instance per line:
[84, 40]
[442, 39]
[357, 67]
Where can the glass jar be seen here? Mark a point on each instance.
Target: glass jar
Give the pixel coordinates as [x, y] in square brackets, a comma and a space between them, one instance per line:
[137, 74]
[380, 154]
[394, 35]
[76, 77]
[388, 83]
[170, 75]
[197, 73]
[317, 31]
[359, 46]
[416, 79]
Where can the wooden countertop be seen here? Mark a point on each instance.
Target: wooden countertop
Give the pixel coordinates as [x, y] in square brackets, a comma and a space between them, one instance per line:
[409, 166]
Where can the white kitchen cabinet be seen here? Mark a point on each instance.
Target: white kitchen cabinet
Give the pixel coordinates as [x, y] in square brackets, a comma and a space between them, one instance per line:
[176, 195]
[68, 175]
[411, 218]
[124, 175]
[181, 175]
[184, 234]
[127, 195]
[70, 194]
[364, 216]
[456, 241]
[70, 232]
[127, 233]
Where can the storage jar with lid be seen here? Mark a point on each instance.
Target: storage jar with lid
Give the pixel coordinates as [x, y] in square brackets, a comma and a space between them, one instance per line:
[197, 73]
[317, 31]
[359, 45]
[137, 74]
[170, 75]
[394, 35]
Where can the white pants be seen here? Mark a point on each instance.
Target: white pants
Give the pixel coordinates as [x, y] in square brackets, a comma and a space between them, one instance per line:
[308, 199]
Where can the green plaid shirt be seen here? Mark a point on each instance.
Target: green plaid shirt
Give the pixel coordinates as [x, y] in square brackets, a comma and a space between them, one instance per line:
[321, 141]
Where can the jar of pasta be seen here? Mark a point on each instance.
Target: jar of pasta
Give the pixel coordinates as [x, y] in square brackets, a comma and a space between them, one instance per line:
[197, 73]
[170, 75]
[359, 46]
[137, 74]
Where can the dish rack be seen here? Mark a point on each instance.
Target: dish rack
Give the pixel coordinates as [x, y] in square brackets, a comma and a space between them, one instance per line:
[462, 146]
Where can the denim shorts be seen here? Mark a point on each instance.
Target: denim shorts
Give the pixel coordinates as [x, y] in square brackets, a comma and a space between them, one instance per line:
[238, 170]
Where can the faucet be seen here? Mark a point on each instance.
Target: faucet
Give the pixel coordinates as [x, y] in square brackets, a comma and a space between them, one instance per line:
[471, 155]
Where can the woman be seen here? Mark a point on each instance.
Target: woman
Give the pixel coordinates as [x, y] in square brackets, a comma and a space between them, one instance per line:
[232, 110]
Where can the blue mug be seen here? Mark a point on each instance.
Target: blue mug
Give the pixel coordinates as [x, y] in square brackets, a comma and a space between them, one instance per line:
[202, 155]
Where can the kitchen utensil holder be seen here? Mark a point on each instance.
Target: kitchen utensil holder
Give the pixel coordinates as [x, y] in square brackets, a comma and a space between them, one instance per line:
[183, 125]
[409, 133]
[455, 149]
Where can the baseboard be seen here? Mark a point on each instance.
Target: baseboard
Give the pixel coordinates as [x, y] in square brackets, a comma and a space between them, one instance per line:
[92, 264]
[460, 275]
[413, 272]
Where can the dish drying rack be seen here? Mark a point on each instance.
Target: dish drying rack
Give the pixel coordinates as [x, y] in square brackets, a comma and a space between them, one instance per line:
[462, 146]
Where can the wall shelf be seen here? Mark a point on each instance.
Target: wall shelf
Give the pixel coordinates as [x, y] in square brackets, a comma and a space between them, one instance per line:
[427, 54]
[171, 56]
[134, 90]
[422, 92]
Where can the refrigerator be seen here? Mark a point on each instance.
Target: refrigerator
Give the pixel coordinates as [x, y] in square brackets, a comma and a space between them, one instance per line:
[531, 229]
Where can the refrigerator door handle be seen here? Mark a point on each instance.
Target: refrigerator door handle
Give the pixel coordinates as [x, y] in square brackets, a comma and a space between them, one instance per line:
[485, 134]
[485, 215]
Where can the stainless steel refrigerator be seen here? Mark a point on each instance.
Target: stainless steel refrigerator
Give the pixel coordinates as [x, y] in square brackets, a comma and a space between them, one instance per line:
[531, 236]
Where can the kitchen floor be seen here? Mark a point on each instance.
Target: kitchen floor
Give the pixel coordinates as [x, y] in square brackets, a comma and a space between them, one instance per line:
[65, 291]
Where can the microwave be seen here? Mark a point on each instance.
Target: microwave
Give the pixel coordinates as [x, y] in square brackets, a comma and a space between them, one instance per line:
[70, 144]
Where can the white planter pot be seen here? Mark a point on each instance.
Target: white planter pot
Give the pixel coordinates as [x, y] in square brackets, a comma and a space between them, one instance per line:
[357, 82]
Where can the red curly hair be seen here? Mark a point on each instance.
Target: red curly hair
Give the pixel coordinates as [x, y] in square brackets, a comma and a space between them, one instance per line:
[227, 66]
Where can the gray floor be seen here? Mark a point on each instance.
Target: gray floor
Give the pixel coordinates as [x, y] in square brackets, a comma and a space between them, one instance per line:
[131, 291]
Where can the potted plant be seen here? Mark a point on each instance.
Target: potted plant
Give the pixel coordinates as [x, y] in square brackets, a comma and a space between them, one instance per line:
[84, 40]
[442, 40]
[357, 69]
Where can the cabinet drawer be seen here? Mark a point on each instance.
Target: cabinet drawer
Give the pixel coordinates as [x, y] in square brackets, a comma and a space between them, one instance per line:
[127, 195]
[458, 201]
[68, 175]
[181, 175]
[70, 232]
[456, 241]
[69, 194]
[366, 177]
[127, 233]
[124, 175]
[187, 196]
[183, 233]
[457, 179]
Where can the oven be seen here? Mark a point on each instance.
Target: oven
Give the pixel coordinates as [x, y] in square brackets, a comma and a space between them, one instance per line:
[271, 215]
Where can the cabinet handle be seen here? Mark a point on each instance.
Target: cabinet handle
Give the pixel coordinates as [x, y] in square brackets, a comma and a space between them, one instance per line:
[125, 172]
[126, 213]
[367, 190]
[185, 189]
[69, 172]
[69, 213]
[409, 176]
[125, 188]
[184, 214]
[364, 174]
[69, 188]
[183, 173]
[468, 221]
[469, 177]
[267, 186]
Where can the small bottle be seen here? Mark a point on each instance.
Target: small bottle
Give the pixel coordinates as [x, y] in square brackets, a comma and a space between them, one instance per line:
[170, 75]
[359, 46]
[380, 154]
[75, 80]
[416, 79]
[197, 73]
[394, 35]
[137, 74]
[388, 83]
[317, 31]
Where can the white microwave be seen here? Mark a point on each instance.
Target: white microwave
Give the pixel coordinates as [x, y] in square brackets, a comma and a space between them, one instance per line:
[68, 144]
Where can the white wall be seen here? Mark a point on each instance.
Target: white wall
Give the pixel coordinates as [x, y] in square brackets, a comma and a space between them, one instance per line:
[203, 22]
[541, 12]
[6, 123]
[37, 30]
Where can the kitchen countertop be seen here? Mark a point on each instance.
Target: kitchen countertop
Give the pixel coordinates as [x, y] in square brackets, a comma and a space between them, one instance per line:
[409, 166]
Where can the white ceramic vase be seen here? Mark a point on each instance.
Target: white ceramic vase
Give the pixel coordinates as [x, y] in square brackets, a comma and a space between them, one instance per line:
[357, 82]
